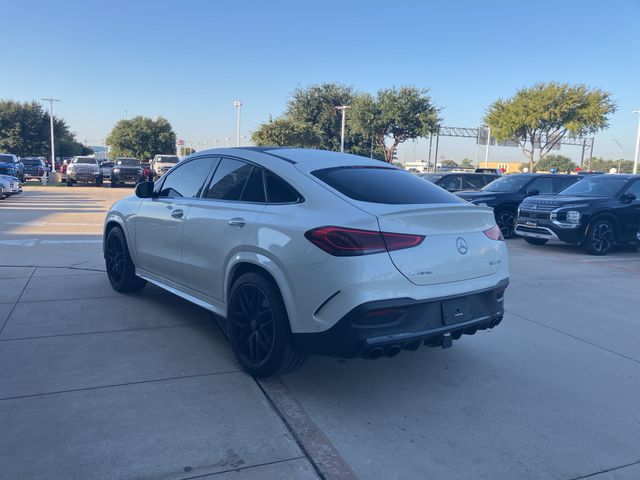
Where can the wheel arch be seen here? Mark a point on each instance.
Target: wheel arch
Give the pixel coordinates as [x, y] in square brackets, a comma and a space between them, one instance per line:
[605, 215]
[112, 222]
[254, 262]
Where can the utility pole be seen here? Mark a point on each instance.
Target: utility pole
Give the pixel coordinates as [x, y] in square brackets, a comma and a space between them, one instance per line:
[486, 153]
[635, 158]
[343, 110]
[238, 106]
[53, 148]
[620, 154]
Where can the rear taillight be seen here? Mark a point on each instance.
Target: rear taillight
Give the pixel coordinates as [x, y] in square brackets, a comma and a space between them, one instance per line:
[345, 242]
[494, 233]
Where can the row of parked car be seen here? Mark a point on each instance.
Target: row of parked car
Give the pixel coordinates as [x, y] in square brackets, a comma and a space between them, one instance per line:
[593, 210]
[122, 171]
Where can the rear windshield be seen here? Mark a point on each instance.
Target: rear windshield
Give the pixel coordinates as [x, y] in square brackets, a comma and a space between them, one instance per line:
[383, 185]
[596, 187]
[85, 160]
[31, 161]
[168, 159]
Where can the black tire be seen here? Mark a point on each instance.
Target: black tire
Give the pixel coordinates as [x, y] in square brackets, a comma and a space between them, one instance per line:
[114, 184]
[506, 220]
[120, 268]
[69, 183]
[98, 182]
[600, 238]
[259, 329]
[536, 241]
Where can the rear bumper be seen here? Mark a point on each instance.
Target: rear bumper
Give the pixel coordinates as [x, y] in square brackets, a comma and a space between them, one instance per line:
[386, 327]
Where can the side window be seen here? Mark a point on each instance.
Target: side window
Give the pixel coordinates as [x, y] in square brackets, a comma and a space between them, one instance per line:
[254, 189]
[543, 185]
[279, 191]
[474, 181]
[229, 180]
[564, 182]
[487, 179]
[452, 183]
[635, 189]
[186, 180]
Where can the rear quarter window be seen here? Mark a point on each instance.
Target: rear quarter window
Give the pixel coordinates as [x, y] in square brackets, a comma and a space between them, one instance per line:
[383, 185]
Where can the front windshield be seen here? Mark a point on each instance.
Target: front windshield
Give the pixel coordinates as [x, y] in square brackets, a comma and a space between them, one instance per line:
[85, 160]
[128, 162]
[168, 160]
[605, 186]
[6, 158]
[511, 184]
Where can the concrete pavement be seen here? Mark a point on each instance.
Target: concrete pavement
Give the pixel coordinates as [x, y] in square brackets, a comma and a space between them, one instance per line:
[95, 384]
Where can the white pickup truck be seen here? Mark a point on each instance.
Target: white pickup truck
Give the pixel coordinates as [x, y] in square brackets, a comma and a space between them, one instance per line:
[161, 164]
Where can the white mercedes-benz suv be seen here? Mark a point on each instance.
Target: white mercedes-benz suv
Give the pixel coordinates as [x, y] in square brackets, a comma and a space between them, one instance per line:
[303, 252]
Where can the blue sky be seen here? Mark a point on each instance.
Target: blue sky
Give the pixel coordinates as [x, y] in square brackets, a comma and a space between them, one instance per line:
[189, 60]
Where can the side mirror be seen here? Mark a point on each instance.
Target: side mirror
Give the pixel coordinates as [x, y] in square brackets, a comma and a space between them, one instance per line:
[533, 192]
[144, 190]
[629, 197]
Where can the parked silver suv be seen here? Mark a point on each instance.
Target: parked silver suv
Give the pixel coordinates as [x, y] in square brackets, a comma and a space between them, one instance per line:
[84, 169]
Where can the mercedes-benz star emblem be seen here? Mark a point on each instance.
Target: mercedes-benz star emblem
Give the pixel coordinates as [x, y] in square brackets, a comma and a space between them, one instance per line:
[462, 246]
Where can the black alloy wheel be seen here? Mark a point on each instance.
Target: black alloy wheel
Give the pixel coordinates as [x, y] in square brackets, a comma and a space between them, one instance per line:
[120, 268]
[506, 220]
[600, 238]
[252, 323]
[259, 329]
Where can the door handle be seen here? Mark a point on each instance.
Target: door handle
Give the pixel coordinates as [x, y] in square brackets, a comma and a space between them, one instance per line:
[177, 214]
[237, 222]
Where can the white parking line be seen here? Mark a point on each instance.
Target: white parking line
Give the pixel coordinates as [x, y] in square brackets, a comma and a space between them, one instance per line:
[58, 224]
[32, 242]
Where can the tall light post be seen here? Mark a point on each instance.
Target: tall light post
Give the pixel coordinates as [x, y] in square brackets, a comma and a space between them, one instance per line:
[238, 106]
[486, 154]
[635, 158]
[343, 110]
[620, 154]
[53, 147]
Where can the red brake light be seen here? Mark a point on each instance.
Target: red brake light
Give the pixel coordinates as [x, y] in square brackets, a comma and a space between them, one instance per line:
[345, 242]
[494, 233]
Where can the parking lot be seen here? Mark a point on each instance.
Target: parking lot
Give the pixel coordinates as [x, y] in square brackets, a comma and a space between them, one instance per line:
[95, 384]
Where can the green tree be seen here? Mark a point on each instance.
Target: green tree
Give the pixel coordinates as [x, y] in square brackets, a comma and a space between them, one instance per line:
[559, 162]
[599, 164]
[311, 120]
[540, 116]
[141, 137]
[394, 116]
[185, 151]
[448, 163]
[24, 131]
[466, 163]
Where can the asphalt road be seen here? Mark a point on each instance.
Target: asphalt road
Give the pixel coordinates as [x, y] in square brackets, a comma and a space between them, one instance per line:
[99, 385]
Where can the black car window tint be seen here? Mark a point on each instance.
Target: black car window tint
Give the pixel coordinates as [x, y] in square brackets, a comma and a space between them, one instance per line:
[635, 189]
[475, 181]
[254, 188]
[542, 185]
[279, 191]
[185, 181]
[229, 180]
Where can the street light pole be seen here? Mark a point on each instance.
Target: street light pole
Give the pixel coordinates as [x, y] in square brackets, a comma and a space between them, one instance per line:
[343, 110]
[486, 154]
[635, 158]
[238, 106]
[53, 148]
[620, 154]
